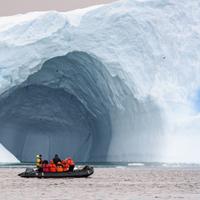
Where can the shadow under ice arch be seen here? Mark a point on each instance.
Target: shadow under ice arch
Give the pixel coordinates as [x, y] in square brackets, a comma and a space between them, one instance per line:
[63, 108]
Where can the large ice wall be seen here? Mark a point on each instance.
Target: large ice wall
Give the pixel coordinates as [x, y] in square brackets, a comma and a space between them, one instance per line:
[117, 82]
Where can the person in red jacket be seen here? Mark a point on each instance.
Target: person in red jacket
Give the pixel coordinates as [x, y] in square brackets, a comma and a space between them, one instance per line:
[71, 164]
[45, 166]
[65, 165]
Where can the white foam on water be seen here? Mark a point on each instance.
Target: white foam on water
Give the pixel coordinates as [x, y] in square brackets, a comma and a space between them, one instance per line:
[136, 164]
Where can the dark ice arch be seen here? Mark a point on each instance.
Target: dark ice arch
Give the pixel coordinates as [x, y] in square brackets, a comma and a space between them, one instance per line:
[73, 106]
[63, 108]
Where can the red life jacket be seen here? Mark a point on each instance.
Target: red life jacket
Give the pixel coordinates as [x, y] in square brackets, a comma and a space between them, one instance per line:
[65, 167]
[70, 162]
[46, 167]
[52, 167]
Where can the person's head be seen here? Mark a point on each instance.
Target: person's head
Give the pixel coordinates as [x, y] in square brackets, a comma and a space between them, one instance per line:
[56, 155]
[40, 156]
[37, 156]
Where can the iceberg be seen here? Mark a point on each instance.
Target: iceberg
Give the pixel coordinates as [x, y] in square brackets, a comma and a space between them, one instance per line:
[115, 82]
[6, 156]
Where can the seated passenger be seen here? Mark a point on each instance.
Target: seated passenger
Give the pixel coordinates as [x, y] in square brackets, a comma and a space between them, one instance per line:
[59, 167]
[39, 163]
[56, 159]
[45, 162]
[52, 166]
[45, 166]
[71, 164]
[65, 166]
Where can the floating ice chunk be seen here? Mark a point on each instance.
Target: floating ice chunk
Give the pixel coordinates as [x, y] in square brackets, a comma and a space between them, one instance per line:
[6, 156]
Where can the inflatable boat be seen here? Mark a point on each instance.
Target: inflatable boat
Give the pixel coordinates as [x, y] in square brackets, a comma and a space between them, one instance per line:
[77, 173]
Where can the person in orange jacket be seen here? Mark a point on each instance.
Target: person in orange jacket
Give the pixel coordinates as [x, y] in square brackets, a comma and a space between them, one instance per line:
[71, 164]
[59, 167]
[52, 166]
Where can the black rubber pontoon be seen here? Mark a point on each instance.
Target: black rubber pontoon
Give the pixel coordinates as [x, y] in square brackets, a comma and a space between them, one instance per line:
[77, 173]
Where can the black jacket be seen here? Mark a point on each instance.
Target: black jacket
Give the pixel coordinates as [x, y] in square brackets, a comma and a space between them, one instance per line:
[56, 160]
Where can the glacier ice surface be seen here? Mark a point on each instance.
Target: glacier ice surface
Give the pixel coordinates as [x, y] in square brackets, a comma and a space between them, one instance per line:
[116, 82]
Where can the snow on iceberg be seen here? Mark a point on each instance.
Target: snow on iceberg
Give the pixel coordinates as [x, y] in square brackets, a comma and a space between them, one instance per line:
[111, 83]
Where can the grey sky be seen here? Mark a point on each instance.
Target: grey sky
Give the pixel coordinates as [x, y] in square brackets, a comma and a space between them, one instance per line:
[11, 7]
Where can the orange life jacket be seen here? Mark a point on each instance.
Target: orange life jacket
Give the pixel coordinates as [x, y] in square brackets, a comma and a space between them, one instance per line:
[59, 167]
